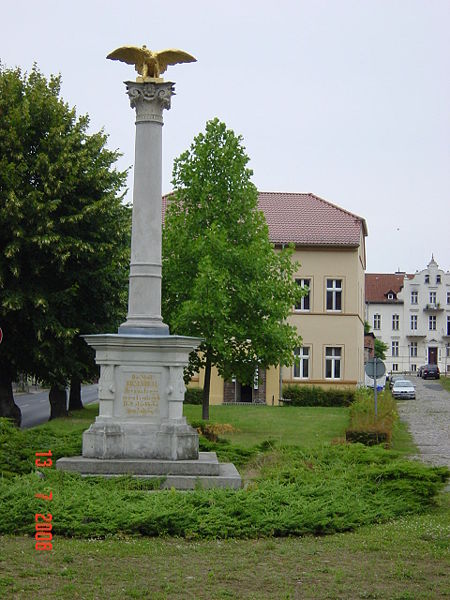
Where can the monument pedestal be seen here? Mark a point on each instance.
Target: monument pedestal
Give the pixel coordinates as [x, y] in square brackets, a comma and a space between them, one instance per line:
[140, 430]
[141, 393]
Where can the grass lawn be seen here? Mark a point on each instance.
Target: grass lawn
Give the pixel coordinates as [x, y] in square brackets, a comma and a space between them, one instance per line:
[445, 382]
[301, 426]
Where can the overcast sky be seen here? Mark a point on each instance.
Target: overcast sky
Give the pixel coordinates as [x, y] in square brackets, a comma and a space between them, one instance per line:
[348, 99]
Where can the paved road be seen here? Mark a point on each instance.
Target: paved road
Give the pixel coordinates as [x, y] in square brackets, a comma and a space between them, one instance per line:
[428, 420]
[35, 407]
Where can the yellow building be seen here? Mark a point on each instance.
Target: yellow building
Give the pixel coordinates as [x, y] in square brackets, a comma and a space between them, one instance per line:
[330, 247]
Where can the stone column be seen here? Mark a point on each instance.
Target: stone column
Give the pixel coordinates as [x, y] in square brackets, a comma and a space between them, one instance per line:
[144, 295]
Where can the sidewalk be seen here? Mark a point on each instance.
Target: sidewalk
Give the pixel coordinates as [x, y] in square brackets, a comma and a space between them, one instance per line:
[428, 420]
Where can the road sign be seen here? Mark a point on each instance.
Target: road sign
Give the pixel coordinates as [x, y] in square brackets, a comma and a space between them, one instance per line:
[376, 367]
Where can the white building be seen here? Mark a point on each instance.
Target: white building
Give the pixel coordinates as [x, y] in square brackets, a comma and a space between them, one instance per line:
[411, 314]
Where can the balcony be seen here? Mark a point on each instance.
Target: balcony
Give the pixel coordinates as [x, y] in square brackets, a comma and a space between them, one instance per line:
[416, 333]
[436, 307]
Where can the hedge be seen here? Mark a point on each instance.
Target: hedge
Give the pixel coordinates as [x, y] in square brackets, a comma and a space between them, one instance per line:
[312, 395]
[193, 395]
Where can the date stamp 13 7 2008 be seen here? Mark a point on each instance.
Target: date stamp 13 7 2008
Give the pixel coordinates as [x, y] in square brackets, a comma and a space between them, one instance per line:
[43, 522]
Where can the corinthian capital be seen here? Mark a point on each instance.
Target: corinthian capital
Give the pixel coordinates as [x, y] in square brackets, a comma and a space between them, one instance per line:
[150, 98]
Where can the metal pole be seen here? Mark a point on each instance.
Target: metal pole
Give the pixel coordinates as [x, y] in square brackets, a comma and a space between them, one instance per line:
[375, 386]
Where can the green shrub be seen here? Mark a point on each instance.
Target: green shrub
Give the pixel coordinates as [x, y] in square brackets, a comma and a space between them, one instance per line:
[312, 395]
[368, 438]
[367, 428]
[193, 395]
[330, 489]
[19, 446]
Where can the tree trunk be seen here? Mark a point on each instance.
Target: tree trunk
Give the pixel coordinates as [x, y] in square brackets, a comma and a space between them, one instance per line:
[8, 408]
[75, 402]
[206, 388]
[58, 401]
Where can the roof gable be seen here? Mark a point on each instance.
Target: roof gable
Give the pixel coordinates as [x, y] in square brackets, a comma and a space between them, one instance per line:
[380, 285]
[306, 219]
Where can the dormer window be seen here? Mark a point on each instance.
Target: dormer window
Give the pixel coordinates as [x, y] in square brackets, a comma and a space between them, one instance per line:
[391, 295]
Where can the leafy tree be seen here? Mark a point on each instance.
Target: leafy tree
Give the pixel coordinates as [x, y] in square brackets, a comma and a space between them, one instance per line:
[64, 234]
[380, 349]
[222, 279]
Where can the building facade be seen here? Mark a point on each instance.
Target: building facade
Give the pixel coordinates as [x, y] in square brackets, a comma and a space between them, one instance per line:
[411, 314]
[330, 247]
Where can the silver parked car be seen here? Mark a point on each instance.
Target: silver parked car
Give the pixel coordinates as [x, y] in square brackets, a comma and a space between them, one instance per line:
[403, 389]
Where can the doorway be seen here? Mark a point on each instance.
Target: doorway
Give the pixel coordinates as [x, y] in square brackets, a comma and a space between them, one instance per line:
[432, 355]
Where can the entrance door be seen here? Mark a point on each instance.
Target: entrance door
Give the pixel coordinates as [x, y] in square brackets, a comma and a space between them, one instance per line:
[432, 356]
[246, 393]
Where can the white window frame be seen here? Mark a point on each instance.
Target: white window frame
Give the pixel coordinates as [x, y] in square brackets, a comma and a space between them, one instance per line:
[395, 322]
[304, 282]
[433, 297]
[336, 291]
[395, 366]
[333, 358]
[377, 322]
[432, 323]
[302, 355]
[414, 297]
[413, 322]
[394, 348]
[413, 350]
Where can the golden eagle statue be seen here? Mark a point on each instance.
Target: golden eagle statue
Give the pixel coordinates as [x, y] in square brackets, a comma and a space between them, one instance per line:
[150, 64]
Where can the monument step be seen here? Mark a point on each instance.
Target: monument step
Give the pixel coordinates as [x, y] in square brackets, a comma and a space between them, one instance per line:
[228, 477]
[206, 465]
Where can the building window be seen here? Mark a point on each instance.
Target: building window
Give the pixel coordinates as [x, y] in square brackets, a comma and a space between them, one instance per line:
[448, 325]
[395, 322]
[427, 279]
[304, 303]
[432, 322]
[301, 363]
[394, 366]
[413, 368]
[448, 350]
[394, 348]
[438, 279]
[432, 297]
[377, 321]
[413, 351]
[332, 363]
[448, 297]
[414, 297]
[413, 322]
[334, 294]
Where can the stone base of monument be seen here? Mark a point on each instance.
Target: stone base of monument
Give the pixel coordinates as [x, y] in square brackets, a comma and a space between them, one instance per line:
[205, 472]
[141, 430]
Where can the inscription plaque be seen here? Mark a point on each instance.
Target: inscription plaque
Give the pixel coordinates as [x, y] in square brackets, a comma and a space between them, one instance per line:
[141, 395]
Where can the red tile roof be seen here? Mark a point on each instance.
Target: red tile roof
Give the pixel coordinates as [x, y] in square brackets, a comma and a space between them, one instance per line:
[378, 285]
[306, 219]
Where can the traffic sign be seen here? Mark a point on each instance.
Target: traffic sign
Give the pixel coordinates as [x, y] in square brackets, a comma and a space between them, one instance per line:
[375, 366]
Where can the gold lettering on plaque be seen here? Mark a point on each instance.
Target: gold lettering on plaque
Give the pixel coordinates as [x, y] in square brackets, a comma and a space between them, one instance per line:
[141, 395]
